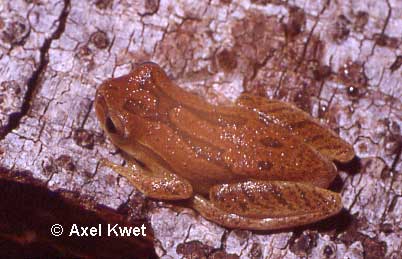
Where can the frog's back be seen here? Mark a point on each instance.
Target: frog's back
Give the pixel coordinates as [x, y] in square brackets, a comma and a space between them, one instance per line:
[247, 147]
[209, 144]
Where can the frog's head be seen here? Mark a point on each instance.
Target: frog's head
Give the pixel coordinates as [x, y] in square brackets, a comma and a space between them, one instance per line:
[124, 104]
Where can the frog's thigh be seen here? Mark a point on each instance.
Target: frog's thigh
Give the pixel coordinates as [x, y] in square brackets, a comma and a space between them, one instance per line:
[165, 186]
[265, 205]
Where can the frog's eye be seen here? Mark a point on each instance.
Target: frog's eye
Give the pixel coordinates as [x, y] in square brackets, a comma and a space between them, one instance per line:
[110, 127]
[114, 126]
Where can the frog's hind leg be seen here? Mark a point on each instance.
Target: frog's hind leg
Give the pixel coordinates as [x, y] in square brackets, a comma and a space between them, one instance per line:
[165, 186]
[267, 205]
[300, 124]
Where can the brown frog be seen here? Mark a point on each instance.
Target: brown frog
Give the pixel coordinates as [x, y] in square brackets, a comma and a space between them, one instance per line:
[256, 164]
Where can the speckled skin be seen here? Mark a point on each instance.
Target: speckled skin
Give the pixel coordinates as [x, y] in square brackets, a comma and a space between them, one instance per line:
[257, 164]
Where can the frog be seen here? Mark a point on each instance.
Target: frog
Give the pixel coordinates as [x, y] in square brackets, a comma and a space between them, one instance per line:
[254, 163]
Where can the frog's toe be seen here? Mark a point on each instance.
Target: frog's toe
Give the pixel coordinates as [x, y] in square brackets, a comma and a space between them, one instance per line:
[266, 205]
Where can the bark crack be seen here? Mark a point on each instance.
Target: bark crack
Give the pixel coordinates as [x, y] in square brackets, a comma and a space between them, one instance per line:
[34, 80]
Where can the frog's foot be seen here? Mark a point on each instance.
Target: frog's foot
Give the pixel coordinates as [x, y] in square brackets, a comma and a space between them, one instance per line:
[267, 205]
[163, 187]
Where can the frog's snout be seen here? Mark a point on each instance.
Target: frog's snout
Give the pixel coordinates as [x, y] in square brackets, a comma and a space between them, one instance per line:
[111, 122]
[103, 115]
[100, 107]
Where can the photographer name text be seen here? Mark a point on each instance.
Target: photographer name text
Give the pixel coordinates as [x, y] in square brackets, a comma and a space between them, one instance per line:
[110, 230]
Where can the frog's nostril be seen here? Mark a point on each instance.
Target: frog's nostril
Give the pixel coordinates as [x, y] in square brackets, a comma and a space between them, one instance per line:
[100, 107]
[100, 100]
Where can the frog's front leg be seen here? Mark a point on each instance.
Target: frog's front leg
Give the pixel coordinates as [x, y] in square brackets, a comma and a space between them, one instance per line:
[164, 186]
[267, 205]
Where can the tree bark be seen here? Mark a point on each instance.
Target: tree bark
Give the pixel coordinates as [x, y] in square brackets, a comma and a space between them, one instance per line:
[338, 60]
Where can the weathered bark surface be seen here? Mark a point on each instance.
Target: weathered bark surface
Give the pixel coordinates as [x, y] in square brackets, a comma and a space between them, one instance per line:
[339, 60]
